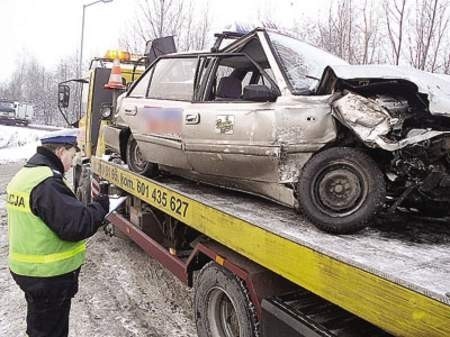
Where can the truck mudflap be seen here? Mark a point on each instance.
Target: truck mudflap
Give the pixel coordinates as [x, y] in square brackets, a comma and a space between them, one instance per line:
[303, 314]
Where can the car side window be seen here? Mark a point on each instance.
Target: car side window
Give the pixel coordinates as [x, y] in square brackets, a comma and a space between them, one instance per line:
[222, 71]
[234, 76]
[227, 80]
[173, 78]
[140, 89]
[243, 75]
[247, 79]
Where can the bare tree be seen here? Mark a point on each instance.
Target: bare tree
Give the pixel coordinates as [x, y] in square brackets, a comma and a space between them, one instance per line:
[441, 30]
[446, 64]
[132, 41]
[154, 19]
[32, 83]
[197, 26]
[366, 34]
[187, 21]
[66, 70]
[161, 17]
[431, 22]
[335, 35]
[395, 11]
[14, 89]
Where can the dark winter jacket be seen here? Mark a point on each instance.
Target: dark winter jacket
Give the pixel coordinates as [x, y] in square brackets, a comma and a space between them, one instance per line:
[55, 203]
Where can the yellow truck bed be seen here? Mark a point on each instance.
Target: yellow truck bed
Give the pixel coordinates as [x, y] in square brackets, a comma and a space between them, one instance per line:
[396, 275]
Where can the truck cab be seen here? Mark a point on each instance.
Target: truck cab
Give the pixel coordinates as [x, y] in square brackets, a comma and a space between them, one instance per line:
[15, 113]
[91, 106]
[7, 111]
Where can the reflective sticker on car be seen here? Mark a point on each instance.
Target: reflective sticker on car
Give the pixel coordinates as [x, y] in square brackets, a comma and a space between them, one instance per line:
[164, 121]
[225, 124]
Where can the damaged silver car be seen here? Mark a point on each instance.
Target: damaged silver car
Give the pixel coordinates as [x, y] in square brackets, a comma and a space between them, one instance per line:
[273, 116]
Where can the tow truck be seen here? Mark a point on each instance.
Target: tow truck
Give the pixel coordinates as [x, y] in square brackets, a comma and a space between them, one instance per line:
[255, 268]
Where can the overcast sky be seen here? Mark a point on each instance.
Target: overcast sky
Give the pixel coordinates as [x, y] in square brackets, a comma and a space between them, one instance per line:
[51, 29]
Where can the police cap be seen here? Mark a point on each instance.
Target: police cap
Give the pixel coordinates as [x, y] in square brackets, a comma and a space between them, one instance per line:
[63, 137]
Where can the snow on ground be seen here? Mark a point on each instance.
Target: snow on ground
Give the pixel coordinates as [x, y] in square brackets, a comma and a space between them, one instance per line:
[123, 291]
[18, 143]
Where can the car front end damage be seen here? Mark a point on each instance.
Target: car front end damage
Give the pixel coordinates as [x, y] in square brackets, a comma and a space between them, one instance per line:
[407, 130]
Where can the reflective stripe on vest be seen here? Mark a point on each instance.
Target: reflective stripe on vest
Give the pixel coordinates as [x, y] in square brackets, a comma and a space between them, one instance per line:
[34, 249]
[27, 258]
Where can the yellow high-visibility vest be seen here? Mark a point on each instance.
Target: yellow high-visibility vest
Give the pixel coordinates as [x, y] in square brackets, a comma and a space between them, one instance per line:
[34, 249]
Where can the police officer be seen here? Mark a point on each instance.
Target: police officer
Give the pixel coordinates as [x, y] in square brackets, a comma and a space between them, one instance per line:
[47, 227]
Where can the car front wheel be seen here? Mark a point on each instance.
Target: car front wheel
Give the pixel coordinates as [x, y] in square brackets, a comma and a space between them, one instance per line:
[341, 189]
[136, 161]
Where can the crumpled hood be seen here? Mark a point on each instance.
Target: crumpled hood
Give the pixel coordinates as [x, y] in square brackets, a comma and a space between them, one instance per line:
[436, 87]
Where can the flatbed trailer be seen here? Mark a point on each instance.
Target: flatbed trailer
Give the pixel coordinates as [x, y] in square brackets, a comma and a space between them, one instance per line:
[392, 279]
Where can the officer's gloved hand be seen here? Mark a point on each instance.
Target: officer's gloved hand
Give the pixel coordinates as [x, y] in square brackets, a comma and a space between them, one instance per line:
[103, 200]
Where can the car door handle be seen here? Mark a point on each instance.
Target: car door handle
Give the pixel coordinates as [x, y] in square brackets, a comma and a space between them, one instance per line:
[192, 119]
[131, 111]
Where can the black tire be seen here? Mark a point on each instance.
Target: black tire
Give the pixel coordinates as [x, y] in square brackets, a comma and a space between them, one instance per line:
[341, 189]
[136, 162]
[222, 305]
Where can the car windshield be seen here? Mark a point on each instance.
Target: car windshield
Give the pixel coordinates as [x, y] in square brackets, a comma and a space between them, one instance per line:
[6, 105]
[301, 62]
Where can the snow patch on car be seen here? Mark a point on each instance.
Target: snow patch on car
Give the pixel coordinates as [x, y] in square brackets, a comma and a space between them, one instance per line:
[436, 87]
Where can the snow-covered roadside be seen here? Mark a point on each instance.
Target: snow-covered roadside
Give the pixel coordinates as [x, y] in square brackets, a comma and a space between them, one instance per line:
[18, 143]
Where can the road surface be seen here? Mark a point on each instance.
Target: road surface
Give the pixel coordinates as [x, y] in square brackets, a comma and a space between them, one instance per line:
[123, 292]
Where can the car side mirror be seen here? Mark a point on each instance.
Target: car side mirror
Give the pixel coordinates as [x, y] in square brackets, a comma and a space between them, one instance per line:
[259, 93]
[63, 95]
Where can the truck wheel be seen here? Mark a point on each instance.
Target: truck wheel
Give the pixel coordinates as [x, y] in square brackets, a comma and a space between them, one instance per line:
[136, 161]
[222, 305]
[340, 190]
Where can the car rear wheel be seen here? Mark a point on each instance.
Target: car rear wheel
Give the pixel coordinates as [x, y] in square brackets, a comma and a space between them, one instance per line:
[341, 189]
[136, 161]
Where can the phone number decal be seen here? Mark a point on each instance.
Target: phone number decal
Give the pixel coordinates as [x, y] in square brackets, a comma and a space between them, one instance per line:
[163, 199]
[154, 195]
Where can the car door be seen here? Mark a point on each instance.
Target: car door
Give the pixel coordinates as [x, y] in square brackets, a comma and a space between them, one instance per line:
[233, 137]
[156, 120]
